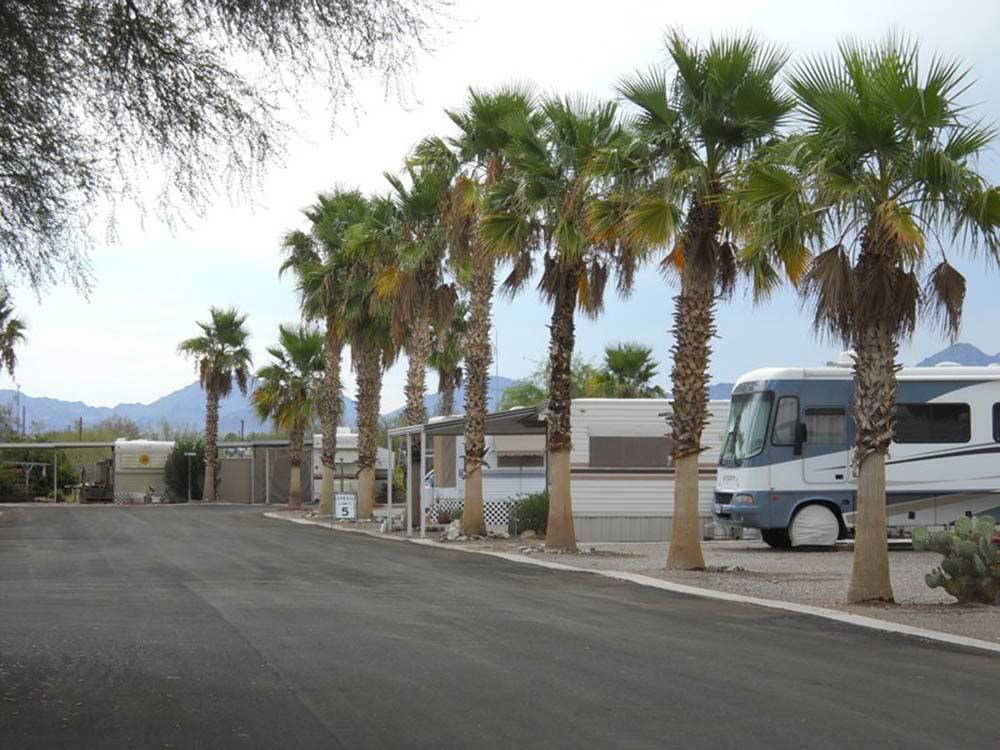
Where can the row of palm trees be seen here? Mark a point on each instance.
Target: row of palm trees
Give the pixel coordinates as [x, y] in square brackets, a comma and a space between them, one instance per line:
[836, 176]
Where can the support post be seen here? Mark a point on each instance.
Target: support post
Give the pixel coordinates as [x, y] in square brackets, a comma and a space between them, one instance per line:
[409, 483]
[388, 487]
[55, 475]
[423, 487]
[267, 476]
[253, 474]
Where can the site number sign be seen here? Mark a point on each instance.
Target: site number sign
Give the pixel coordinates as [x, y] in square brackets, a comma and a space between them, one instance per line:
[345, 506]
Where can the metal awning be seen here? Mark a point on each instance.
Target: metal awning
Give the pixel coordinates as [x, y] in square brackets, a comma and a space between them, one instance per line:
[520, 421]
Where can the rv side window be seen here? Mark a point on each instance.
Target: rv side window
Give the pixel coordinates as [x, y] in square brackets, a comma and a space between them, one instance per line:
[826, 426]
[996, 423]
[933, 423]
[785, 418]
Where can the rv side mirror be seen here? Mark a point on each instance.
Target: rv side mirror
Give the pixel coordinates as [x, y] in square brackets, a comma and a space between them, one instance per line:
[801, 435]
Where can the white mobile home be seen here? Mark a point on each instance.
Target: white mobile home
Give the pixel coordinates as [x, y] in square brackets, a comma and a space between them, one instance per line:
[347, 462]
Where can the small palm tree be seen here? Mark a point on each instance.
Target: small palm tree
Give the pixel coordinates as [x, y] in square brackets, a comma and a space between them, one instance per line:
[11, 332]
[446, 357]
[628, 372]
[222, 358]
[697, 127]
[884, 166]
[545, 207]
[288, 391]
[322, 267]
[478, 158]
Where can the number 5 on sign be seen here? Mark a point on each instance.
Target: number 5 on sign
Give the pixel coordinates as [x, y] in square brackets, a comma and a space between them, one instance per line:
[345, 506]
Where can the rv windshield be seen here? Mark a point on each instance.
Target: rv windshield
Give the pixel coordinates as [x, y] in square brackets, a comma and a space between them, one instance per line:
[746, 431]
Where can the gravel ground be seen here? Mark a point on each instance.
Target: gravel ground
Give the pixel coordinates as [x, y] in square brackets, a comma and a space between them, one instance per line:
[819, 578]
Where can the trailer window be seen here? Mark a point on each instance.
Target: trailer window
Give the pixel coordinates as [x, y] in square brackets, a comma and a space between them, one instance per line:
[785, 418]
[933, 423]
[826, 426]
[996, 423]
[614, 452]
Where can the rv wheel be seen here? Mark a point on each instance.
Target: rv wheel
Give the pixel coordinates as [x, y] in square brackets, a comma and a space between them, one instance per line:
[777, 538]
[814, 526]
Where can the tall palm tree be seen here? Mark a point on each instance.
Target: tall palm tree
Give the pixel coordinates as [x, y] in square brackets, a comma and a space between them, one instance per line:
[478, 158]
[367, 318]
[447, 354]
[721, 103]
[884, 165]
[288, 392]
[11, 332]
[628, 372]
[410, 267]
[222, 359]
[319, 260]
[544, 206]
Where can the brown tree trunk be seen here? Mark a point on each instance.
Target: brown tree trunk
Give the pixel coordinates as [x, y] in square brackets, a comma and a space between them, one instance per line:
[295, 443]
[477, 368]
[561, 533]
[418, 352]
[874, 417]
[368, 364]
[446, 407]
[329, 411]
[211, 445]
[694, 326]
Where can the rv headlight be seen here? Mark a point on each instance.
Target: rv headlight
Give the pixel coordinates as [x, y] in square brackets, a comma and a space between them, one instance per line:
[743, 499]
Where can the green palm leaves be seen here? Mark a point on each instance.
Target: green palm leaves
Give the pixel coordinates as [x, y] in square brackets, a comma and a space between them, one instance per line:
[12, 331]
[287, 387]
[221, 352]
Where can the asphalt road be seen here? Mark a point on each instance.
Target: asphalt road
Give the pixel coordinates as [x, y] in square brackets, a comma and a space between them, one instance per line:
[216, 627]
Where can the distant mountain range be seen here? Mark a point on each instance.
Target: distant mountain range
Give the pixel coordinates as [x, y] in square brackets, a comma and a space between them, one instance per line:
[185, 408]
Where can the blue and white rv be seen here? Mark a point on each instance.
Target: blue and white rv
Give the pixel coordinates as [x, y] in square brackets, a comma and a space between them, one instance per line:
[786, 465]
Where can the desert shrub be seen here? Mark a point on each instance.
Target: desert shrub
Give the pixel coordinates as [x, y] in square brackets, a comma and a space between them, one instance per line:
[970, 570]
[176, 469]
[530, 512]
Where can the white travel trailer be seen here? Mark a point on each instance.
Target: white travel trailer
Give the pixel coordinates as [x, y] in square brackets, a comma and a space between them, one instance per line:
[139, 469]
[347, 462]
[787, 463]
[621, 477]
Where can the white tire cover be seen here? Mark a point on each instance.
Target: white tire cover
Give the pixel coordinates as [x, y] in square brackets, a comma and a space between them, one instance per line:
[814, 525]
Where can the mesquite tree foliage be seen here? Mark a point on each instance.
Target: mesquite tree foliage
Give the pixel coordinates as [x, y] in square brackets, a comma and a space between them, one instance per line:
[101, 100]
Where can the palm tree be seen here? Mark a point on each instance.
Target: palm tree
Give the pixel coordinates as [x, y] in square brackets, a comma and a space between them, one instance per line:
[698, 125]
[319, 261]
[367, 318]
[885, 162]
[410, 267]
[628, 372]
[288, 392]
[447, 353]
[478, 159]
[222, 359]
[545, 206]
[11, 332]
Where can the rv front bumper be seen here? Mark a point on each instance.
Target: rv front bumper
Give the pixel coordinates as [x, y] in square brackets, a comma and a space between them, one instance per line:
[745, 509]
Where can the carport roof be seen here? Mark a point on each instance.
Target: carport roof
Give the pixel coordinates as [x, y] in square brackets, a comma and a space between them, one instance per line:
[521, 421]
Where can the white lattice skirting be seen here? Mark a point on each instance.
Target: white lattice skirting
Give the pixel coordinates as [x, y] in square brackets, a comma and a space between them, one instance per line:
[496, 512]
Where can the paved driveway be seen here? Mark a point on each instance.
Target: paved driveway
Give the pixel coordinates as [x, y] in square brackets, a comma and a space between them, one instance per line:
[215, 627]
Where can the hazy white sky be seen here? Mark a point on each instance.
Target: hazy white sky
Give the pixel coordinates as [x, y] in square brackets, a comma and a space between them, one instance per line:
[154, 283]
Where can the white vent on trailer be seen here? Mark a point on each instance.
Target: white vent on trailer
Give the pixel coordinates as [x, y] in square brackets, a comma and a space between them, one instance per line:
[948, 364]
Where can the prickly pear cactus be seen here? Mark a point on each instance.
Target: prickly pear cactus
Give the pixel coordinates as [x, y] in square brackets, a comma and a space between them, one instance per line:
[970, 570]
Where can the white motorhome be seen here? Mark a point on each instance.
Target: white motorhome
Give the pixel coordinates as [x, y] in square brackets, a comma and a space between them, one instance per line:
[787, 463]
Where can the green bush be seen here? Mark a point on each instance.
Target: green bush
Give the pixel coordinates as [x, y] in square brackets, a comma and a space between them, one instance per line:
[176, 469]
[970, 570]
[531, 512]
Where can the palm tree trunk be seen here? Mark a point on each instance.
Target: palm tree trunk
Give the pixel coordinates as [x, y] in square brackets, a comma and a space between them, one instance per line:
[295, 442]
[211, 444]
[561, 533]
[329, 410]
[418, 352]
[369, 369]
[477, 366]
[446, 407]
[694, 327]
[874, 415]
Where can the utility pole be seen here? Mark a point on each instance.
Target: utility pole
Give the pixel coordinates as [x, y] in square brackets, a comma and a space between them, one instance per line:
[241, 430]
[79, 430]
